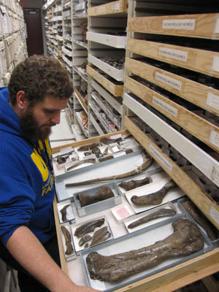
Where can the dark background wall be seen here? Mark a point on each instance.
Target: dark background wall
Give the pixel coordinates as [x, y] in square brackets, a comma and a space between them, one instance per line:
[33, 20]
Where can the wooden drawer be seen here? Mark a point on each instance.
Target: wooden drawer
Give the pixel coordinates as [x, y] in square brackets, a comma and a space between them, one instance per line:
[115, 7]
[199, 94]
[206, 62]
[191, 25]
[191, 122]
[116, 90]
[193, 191]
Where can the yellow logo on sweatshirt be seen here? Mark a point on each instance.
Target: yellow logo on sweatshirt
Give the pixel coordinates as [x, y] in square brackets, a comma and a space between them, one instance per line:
[40, 164]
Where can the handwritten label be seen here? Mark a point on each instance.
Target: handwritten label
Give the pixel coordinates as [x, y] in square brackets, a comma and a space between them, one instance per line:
[176, 84]
[214, 138]
[173, 54]
[168, 108]
[214, 214]
[213, 100]
[215, 65]
[179, 24]
[215, 175]
[163, 161]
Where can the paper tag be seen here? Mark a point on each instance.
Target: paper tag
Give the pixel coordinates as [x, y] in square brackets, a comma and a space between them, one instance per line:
[173, 54]
[183, 24]
[214, 214]
[214, 138]
[160, 158]
[213, 100]
[174, 83]
[216, 29]
[215, 175]
[168, 108]
[215, 65]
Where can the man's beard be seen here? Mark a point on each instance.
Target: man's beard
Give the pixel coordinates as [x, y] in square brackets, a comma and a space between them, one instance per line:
[31, 130]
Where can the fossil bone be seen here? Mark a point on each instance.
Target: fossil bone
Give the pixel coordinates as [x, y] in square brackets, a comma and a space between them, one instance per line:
[88, 227]
[68, 243]
[100, 235]
[154, 198]
[87, 198]
[155, 215]
[132, 184]
[146, 164]
[63, 212]
[185, 240]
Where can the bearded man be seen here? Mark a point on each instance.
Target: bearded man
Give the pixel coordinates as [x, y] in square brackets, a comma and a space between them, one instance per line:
[38, 90]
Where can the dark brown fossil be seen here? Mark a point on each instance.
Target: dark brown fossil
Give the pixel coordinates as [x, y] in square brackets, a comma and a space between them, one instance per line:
[155, 215]
[185, 240]
[154, 198]
[197, 215]
[88, 227]
[84, 239]
[100, 235]
[88, 147]
[132, 184]
[68, 243]
[87, 198]
[63, 212]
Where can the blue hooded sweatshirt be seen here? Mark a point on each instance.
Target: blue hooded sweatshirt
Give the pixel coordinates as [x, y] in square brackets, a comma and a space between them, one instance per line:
[26, 179]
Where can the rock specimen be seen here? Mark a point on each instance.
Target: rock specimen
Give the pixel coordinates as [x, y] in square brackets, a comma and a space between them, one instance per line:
[87, 198]
[155, 215]
[132, 184]
[154, 198]
[185, 240]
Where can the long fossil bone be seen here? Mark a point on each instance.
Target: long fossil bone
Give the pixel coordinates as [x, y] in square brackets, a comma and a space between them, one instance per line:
[146, 164]
[155, 215]
[185, 240]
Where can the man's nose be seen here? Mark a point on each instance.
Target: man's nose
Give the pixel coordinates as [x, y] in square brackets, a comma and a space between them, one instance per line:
[56, 119]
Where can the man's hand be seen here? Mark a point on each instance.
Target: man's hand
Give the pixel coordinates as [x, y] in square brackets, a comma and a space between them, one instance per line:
[32, 256]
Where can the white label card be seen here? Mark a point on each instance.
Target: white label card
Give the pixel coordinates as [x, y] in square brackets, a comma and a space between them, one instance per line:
[214, 138]
[160, 157]
[213, 100]
[216, 29]
[214, 214]
[165, 106]
[179, 24]
[172, 82]
[215, 65]
[173, 54]
[215, 175]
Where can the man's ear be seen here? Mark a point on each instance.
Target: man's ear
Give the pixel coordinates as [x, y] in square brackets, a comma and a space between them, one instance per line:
[21, 100]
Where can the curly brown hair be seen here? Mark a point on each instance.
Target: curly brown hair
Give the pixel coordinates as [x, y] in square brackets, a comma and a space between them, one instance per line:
[40, 76]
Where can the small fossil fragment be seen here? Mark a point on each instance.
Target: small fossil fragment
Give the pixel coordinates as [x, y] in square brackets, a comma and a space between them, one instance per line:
[100, 235]
[63, 212]
[87, 198]
[185, 240]
[68, 243]
[88, 227]
[84, 239]
[154, 198]
[155, 215]
[132, 184]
